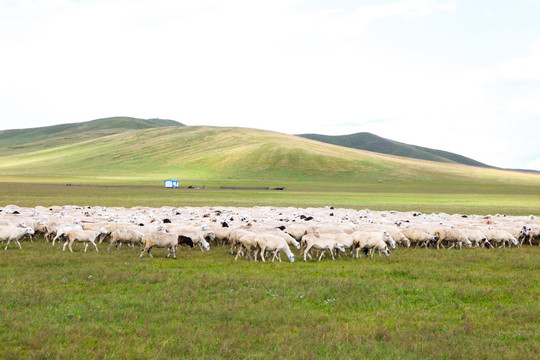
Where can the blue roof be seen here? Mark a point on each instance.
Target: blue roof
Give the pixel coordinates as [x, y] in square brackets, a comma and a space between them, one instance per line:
[171, 180]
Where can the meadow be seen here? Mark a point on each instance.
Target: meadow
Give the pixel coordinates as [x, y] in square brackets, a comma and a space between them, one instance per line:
[416, 304]
[428, 198]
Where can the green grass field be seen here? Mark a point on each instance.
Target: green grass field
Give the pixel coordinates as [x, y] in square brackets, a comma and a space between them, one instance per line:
[428, 198]
[417, 304]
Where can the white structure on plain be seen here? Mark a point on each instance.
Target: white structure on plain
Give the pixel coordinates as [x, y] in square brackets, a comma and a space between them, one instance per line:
[171, 183]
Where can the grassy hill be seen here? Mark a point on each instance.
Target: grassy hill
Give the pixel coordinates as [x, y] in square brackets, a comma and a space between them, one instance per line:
[371, 142]
[239, 154]
[28, 140]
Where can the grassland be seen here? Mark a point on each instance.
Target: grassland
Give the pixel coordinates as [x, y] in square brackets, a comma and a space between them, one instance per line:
[417, 304]
[221, 154]
[428, 198]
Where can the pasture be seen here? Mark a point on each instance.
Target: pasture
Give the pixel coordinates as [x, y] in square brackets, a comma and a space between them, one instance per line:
[419, 303]
[448, 198]
[416, 304]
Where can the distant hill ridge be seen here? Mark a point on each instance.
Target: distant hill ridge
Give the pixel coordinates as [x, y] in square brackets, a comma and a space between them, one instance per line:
[130, 149]
[24, 140]
[370, 142]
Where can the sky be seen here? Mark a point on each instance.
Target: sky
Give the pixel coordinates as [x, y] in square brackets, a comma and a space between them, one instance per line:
[461, 76]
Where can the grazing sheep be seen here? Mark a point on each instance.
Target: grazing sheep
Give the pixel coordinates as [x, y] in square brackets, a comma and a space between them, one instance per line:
[418, 237]
[162, 239]
[297, 230]
[277, 232]
[453, 236]
[85, 236]
[61, 231]
[524, 234]
[234, 238]
[195, 234]
[475, 236]
[371, 241]
[501, 237]
[247, 240]
[321, 242]
[397, 236]
[531, 233]
[14, 233]
[275, 243]
[128, 236]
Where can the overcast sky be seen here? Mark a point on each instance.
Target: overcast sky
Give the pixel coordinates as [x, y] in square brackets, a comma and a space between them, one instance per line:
[462, 76]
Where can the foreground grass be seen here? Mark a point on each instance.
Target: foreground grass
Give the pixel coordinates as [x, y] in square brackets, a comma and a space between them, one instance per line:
[428, 198]
[419, 303]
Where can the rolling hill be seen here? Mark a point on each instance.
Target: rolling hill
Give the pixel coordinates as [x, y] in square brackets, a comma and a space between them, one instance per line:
[371, 142]
[27, 140]
[144, 150]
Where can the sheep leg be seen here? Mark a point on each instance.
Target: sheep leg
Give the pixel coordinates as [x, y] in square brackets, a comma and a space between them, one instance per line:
[322, 253]
[7, 244]
[69, 246]
[64, 247]
[262, 253]
[174, 252]
[453, 244]
[85, 246]
[238, 252]
[306, 251]
[94, 243]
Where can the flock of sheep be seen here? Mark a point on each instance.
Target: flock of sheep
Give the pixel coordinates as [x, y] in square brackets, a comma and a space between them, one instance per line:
[260, 232]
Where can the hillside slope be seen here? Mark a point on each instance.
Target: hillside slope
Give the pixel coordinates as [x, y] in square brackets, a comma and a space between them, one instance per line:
[371, 142]
[236, 153]
[26, 140]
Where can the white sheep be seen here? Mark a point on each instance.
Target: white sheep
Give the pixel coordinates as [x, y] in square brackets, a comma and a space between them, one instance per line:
[61, 231]
[275, 243]
[85, 236]
[454, 236]
[14, 233]
[320, 242]
[163, 239]
[418, 236]
[501, 237]
[129, 236]
[197, 235]
[371, 241]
